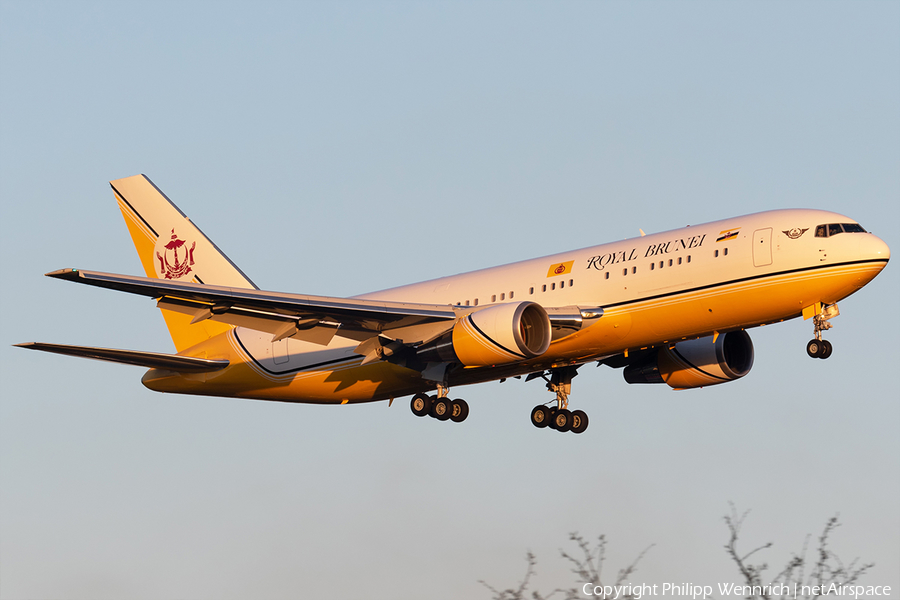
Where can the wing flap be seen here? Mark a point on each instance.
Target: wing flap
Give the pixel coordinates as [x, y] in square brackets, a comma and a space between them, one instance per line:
[281, 326]
[153, 360]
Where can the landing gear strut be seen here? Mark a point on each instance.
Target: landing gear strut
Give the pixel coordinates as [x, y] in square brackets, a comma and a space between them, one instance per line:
[817, 347]
[439, 406]
[560, 418]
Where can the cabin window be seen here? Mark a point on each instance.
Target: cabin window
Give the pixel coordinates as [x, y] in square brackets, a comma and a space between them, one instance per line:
[511, 295]
[689, 258]
[476, 301]
[544, 288]
[467, 302]
[625, 271]
[562, 284]
[531, 290]
[679, 260]
[503, 296]
[717, 254]
[660, 264]
[493, 297]
[553, 286]
[570, 283]
[725, 252]
[652, 266]
[670, 262]
[607, 274]
[633, 270]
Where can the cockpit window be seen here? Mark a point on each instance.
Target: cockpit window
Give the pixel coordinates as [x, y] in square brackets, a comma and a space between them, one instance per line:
[836, 228]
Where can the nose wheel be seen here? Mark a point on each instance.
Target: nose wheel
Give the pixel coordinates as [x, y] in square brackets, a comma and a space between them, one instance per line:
[817, 347]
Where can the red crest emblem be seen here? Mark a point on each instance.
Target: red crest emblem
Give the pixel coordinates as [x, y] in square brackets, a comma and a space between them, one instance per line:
[175, 258]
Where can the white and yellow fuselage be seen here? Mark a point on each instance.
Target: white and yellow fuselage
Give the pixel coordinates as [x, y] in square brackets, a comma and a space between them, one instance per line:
[656, 289]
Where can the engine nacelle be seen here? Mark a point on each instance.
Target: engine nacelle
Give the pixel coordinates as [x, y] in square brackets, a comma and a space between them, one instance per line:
[697, 363]
[496, 335]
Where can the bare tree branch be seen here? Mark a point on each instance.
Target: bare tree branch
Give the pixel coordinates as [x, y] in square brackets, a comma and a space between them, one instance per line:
[827, 570]
[586, 564]
[514, 593]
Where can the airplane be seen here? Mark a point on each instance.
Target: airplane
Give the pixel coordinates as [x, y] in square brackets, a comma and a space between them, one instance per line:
[671, 307]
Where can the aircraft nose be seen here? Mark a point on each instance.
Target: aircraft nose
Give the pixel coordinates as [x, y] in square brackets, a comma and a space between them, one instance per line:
[876, 248]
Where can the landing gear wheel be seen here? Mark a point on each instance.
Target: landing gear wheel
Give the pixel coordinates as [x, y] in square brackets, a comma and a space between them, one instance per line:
[579, 421]
[814, 348]
[420, 405]
[827, 348]
[562, 420]
[459, 410]
[540, 416]
[552, 422]
[441, 409]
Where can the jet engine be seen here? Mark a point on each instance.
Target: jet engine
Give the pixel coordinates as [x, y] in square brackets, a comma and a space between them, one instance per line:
[696, 363]
[496, 335]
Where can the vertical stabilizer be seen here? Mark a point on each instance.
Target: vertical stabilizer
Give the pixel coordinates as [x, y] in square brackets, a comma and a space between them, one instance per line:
[170, 246]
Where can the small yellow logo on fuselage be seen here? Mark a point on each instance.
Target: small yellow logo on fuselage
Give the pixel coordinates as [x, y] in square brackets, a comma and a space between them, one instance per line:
[560, 268]
[728, 234]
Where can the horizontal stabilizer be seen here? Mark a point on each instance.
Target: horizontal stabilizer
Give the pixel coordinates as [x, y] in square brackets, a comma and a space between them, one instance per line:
[153, 360]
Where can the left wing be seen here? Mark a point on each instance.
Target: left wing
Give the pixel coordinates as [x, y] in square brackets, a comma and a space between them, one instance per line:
[310, 318]
[381, 328]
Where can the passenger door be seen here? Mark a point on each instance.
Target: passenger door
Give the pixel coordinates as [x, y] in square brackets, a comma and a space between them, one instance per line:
[762, 247]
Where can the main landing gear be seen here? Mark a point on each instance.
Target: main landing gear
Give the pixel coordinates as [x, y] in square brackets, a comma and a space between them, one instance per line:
[440, 406]
[817, 347]
[560, 418]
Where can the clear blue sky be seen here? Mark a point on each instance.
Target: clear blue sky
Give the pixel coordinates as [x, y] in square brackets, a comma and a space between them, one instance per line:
[338, 148]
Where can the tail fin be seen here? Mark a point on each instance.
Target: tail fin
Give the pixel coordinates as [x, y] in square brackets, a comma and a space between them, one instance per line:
[170, 246]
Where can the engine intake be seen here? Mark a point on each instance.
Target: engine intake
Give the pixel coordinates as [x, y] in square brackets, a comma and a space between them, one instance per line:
[495, 335]
[696, 363]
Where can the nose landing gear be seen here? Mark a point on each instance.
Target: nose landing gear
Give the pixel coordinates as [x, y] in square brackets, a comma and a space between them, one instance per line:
[817, 347]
